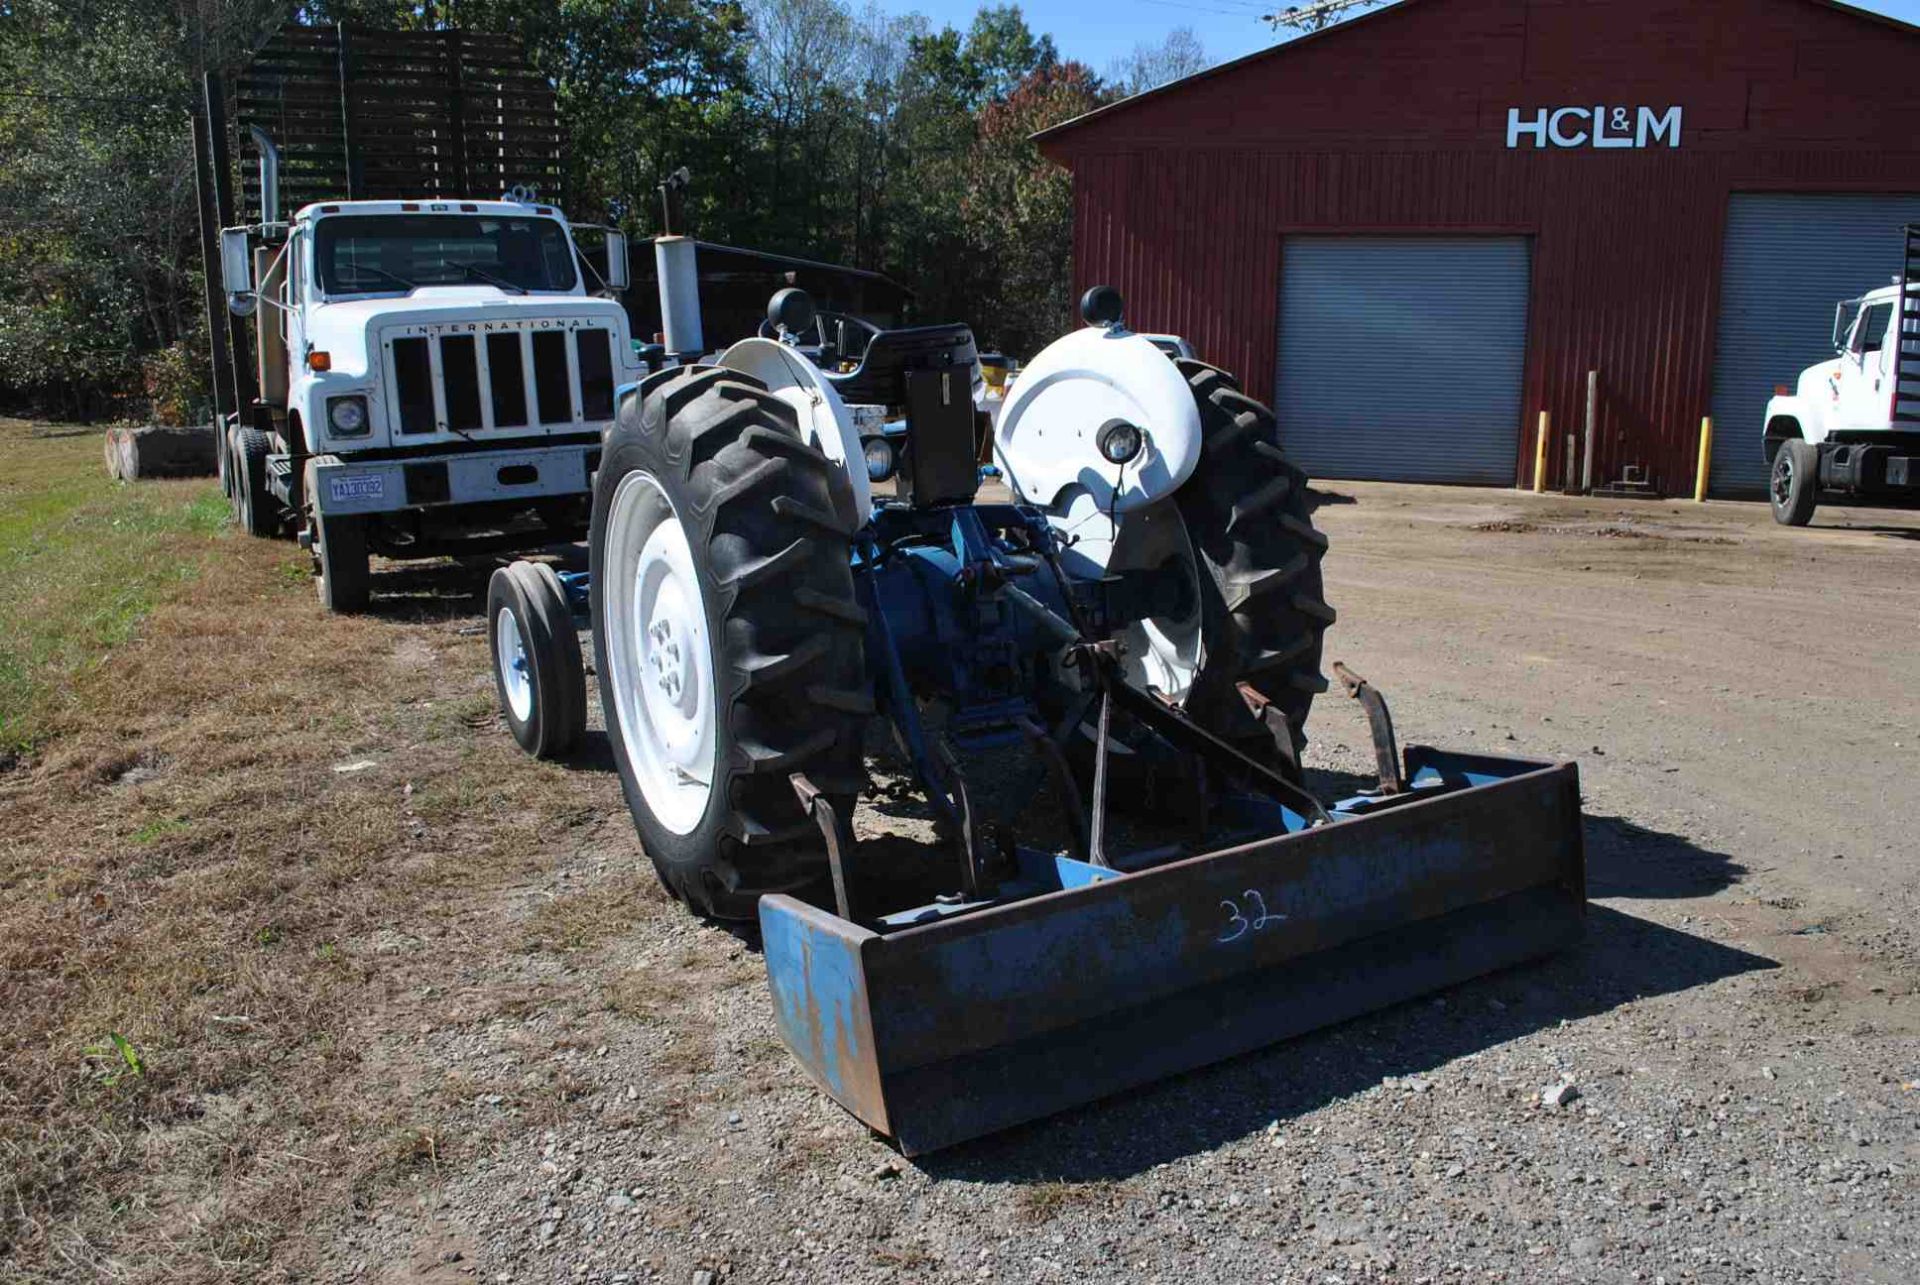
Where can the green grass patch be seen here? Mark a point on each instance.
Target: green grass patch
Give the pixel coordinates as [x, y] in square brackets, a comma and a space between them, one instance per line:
[160, 829]
[83, 559]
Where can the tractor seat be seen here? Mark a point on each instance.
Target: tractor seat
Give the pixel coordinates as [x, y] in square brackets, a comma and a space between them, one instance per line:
[881, 377]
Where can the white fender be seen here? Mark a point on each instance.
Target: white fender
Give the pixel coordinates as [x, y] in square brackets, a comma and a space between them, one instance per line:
[824, 420]
[1044, 438]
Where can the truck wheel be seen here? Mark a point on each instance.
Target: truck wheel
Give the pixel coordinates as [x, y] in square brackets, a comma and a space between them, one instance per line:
[223, 457]
[1262, 607]
[537, 670]
[259, 512]
[728, 639]
[340, 558]
[1794, 485]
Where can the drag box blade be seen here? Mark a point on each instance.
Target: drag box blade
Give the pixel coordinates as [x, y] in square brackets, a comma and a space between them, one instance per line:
[944, 1031]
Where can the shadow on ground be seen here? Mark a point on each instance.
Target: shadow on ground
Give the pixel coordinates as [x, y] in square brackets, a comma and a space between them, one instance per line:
[446, 588]
[1627, 860]
[1623, 958]
[593, 752]
[1891, 532]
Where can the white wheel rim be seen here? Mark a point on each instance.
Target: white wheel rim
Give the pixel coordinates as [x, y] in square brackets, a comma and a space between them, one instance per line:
[1161, 653]
[660, 653]
[1164, 654]
[510, 656]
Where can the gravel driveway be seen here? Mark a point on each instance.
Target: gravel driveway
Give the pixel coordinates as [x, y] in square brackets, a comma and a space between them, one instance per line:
[1722, 1083]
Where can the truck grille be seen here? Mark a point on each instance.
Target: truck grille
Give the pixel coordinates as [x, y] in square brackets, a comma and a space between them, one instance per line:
[510, 379]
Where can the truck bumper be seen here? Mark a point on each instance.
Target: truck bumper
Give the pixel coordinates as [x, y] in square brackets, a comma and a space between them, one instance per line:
[343, 486]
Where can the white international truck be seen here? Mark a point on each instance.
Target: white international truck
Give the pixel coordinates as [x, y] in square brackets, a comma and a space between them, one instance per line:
[434, 377]
[1849, 431]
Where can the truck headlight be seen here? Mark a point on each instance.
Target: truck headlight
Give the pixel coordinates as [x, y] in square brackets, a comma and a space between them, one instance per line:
[347, 416]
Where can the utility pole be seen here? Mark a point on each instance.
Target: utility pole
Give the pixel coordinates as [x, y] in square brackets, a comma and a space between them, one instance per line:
[1314, 14]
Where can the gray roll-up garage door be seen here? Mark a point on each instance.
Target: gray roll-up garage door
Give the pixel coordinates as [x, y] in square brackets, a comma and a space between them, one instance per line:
[1401, 357]
[1788, 260]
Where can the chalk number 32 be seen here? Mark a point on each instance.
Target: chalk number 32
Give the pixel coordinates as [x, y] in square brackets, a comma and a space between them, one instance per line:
[1238, 923]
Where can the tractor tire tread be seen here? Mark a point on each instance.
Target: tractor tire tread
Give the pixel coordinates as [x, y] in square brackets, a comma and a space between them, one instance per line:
[827, 519]
[783, 590]
[786, 560]
[1248, 512]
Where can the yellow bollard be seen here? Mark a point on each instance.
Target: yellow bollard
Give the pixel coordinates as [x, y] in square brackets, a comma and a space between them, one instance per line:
[1706, 458]
[1540, 458]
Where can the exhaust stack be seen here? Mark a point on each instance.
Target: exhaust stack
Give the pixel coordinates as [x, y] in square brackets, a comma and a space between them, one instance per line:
[675, 258]
[269, 174]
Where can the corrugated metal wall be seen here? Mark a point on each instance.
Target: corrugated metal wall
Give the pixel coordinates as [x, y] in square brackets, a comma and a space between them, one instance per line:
[1396, 123]
[1788, 260]
[1401, 357]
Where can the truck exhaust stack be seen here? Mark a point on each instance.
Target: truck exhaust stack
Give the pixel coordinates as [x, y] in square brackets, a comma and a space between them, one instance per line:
[269, 174]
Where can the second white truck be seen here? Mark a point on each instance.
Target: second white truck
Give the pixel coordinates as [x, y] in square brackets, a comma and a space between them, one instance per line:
[1849, 431]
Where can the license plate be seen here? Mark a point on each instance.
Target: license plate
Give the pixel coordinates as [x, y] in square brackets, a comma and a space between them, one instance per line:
[364, 486]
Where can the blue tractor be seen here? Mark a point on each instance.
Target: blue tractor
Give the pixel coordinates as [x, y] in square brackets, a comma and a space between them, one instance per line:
[1137, 628]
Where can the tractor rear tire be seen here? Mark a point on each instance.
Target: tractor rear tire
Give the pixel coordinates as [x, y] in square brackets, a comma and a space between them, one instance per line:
[720, 550]
[1793, 484]
[1263, 608]
[259, 512]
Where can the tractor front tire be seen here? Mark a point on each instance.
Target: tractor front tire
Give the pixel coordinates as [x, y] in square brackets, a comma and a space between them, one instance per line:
[1263, 609]
[728, 641]
[538, 673]
[1793, 484]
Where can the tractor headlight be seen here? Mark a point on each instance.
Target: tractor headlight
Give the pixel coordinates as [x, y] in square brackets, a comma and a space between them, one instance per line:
[882, 459]
[1120, 442]
[347, 416]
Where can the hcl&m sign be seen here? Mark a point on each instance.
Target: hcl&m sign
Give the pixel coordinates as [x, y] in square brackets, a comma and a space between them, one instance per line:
[1594, 127]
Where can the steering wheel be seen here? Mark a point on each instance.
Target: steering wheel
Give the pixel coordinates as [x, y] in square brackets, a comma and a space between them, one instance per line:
[824, 323]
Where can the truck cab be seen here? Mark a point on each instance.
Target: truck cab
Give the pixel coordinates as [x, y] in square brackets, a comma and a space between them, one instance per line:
[433, 376]
[1849, 430]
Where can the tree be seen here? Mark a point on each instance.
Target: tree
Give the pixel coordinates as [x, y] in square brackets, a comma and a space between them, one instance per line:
[811, 128]
[1019, 210]
[1004, 51]
[99, 257]
[1150, 66]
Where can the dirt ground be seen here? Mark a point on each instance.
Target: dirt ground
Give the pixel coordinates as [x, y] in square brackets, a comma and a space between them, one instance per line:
[561, 1077]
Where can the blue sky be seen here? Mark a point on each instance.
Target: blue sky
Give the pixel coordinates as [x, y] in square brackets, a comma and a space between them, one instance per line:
[1098, 31]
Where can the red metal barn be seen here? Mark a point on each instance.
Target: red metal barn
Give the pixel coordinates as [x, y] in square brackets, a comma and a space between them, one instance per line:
[1418, 230]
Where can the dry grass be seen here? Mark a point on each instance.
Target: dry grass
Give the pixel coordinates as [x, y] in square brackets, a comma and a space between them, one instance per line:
[1042, 1202]
[589, 917]
[182, 868]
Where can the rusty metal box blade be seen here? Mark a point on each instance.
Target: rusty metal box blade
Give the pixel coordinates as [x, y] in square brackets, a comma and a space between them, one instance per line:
[947, 1030]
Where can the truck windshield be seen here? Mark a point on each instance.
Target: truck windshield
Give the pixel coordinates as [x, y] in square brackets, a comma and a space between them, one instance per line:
[375, 253]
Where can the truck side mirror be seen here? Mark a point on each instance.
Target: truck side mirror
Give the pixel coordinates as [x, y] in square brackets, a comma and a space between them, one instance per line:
[616, 260]
[236, 271]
